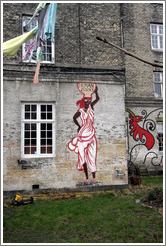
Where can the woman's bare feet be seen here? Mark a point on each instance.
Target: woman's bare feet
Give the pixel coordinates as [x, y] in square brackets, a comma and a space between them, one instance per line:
[94, 180]
[87, 181]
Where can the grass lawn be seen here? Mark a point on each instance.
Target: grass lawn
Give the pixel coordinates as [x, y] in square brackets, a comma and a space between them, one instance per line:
[99, 218]
[152, 180]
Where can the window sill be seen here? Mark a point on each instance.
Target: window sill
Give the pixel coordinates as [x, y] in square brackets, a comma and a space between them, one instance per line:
[34, 62]
[158, 98]
[37, 157]
[157, 50]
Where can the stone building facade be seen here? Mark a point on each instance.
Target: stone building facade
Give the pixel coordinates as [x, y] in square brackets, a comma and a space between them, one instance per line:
[122, 81]
[141, 97]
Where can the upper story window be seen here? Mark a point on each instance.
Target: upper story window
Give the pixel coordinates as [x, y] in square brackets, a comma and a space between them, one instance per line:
[156, 31]
[158, 84]
[38, 130]
[47, 48]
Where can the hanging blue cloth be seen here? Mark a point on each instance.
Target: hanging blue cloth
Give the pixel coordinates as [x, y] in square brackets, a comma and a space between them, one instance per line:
[50, 25]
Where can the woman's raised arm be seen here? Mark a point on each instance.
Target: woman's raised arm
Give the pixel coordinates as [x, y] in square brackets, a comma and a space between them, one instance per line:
[97, 98]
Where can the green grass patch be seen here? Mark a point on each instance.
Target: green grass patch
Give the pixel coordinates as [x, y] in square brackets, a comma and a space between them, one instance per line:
[101, 218]
[152, 180]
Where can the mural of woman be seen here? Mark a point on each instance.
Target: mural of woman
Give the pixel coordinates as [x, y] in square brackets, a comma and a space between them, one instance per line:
[85, 143]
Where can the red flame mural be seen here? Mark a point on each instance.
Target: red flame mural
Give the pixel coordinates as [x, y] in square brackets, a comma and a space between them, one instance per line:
[136, 130]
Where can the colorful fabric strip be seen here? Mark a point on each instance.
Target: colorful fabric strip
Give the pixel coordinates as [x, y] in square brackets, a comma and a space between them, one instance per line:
[11, 46]
[41, 19]
[50, 26]
[42, 34]
[39, 55]
[28, 50]
[39, 8]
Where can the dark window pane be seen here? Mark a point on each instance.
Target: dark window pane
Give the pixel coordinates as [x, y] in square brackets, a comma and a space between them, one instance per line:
[44, 49]
[43, 141]
[43, 58]
[33, 134]
[27, 107]
[48, 42]
[49, 127]
[33, 107]
[160, 141]
[43, 150]
[49, 116]
[27, 150]
[49, 134]
[27, 115]
[43, 116]
[49, 150]
[33, 116]
[27, 126]
[33, 127]
[49, 108]
[49, 49]
[33, 142]
[27, 142]
[43, 108]
[160, 148]
[33, 150]
[34, 55]
[48, 57]
[27, 134]
[43, 126]
[43, 134]
[49, 141]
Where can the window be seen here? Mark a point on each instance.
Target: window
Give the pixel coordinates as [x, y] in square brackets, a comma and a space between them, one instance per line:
[160, 135]
[38, 129]
[47, 49]
[156, 31]
[158, 84]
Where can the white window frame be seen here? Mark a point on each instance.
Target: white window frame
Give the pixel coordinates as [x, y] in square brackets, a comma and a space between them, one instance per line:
[38, 122]
[159, 82]
[157, 35]
[23, 46]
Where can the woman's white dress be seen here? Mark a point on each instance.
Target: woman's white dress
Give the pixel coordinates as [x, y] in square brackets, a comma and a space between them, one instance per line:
[85, 143]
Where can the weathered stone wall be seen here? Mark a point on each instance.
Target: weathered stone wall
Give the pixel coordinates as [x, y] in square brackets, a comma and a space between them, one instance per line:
[137, 18]
[60, 172]
[76, 28]
[77, 25]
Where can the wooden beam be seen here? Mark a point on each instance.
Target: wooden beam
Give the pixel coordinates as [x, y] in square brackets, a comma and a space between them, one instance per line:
[128, 53]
